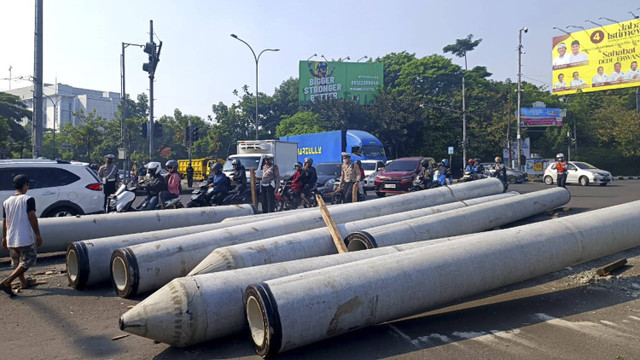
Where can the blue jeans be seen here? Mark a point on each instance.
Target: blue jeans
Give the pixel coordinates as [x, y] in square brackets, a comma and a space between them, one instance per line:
[153, 202]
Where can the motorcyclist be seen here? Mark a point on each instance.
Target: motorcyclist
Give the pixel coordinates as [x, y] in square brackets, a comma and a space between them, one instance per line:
[500, 170]
[445, 172]
[239, 176]
[310, 179]
[468, 171]
[426, 174]
[478, 169]
[173, 183]
[561, 167]
[297, 179]
[154, 183]
[219, 182]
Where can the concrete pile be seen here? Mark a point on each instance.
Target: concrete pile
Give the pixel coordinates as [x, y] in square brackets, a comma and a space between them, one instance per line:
[140, 268]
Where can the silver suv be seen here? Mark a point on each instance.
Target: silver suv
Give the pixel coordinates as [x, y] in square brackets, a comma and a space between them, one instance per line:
[60, 188]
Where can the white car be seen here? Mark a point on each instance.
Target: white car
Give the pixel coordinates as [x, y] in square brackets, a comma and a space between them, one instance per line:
[579, 172]
[60, 188]
[371, 169]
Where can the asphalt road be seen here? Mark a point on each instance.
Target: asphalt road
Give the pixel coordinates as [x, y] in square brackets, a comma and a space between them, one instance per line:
[569, 314]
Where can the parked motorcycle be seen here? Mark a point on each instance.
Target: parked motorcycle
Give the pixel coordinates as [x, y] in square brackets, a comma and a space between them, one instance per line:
[204, 196]
[495, 174]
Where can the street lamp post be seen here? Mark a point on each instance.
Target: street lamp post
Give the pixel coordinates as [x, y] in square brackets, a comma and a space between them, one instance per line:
[257, 59]
[364, 57]
[519, 90]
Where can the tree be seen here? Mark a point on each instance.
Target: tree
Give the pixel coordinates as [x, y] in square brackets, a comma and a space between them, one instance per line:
[14, 138]
[304, 122]
[460, 49]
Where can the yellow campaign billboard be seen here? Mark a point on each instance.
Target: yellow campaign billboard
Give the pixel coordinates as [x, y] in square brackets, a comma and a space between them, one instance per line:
[596, 59]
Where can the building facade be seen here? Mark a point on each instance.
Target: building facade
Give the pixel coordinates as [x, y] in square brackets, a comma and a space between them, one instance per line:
[62, 101]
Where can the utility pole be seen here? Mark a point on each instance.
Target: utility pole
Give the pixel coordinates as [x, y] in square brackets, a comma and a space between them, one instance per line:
[151, 77]
[519, 91]
[37, 83]
[10, 67]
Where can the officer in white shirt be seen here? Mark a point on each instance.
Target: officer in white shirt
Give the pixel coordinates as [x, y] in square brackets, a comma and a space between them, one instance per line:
[600, 77]
[576, 80]
[617, 74]
[576, 55]
[633, 73]
[563, 58]
[560, 84]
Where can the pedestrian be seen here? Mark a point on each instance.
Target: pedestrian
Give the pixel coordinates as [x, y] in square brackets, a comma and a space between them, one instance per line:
[561, 167]
[108, 174]
[190, 175]
[20, 232]
[350, 174]
[268, 184]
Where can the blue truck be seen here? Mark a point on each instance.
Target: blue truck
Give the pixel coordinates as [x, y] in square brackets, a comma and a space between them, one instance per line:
[328, 146]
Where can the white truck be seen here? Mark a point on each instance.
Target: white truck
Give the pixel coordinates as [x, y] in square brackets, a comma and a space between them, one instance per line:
[251, 154]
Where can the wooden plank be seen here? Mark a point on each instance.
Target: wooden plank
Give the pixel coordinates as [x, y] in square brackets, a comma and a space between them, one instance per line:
[605, 270]
[254, 199]
[331, 225]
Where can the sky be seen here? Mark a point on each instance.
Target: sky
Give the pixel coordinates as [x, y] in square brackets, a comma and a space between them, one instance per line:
[201, 64]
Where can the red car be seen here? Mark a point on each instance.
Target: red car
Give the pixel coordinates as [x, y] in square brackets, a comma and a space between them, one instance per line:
[397, 177]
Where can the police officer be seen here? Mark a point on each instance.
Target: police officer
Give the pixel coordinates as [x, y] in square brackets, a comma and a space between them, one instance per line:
[108, 173]
[349, 175]
[561, 167]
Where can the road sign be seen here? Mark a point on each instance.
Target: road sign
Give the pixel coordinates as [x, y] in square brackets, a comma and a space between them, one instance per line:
[450, 150]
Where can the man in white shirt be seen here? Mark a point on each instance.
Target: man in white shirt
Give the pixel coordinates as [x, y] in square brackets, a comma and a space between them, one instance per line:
[560, 84]
[600, 77]
[576, 55]
[617, 74]
[20, 232]
[576, 80]
[563, 58]
[633, 73]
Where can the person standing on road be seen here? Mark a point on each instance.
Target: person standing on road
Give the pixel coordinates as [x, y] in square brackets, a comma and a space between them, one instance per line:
[561, 167]
[349, 175]
[20, 232]
[108, 173]
[190, 175]
[270, 180]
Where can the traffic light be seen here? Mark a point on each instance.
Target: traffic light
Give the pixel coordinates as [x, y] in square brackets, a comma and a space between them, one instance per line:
[194, 133]
[150, 67]
[157, 133]
[143, 130]
[467, 143]
[566, 141]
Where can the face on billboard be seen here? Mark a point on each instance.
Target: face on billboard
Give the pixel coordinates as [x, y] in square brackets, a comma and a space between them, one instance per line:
[322, 80]
[598, 56]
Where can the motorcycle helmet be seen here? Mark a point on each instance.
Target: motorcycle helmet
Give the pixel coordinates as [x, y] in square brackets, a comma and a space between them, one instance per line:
[296, 164]
[470, 161]
[308, 160]
[498, 159]
[153, 168]
[560, 157]
[424, 162]
[445, 162]
[171, 164]
[235, 162]
[217, 167]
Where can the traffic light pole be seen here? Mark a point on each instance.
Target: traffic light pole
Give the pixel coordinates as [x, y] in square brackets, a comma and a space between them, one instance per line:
[190, 135]
[123, 107]
[151, 76]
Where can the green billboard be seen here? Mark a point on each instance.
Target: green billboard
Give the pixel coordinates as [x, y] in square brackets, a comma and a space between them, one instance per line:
[320, 80]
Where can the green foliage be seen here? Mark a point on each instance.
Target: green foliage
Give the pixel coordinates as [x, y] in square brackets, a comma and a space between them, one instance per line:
[304, 122]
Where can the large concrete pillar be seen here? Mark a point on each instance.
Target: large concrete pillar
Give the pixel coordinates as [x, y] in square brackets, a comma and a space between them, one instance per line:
[58, 233]
[317, 242]
[194, 309]
[149, 266]
[462, 221]
[89, 261]
[293, 311]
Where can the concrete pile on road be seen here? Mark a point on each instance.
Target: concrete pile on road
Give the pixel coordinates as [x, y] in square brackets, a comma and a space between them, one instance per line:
[89, 261]
[208, 306]
[145, 267]
[59, 232]
[318, 242]
[293, 311]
